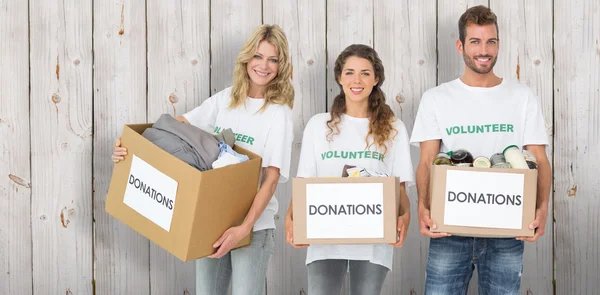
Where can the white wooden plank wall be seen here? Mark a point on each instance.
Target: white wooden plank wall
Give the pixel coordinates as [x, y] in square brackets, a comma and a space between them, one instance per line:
[450, 62]
[121, 256]
[68, 69]
[61, 146]
[178, 40]
[526, 55]
[15, 173]
[346, 25]
[304, 25]
[232, 22]
[405, 43]
[577, 137]
[451, 66]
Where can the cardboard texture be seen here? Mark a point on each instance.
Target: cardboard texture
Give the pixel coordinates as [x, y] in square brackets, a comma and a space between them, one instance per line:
[390, 210]
[207, 203]
[438, 197]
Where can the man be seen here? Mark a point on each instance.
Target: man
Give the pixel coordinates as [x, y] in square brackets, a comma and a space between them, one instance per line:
[478, 98]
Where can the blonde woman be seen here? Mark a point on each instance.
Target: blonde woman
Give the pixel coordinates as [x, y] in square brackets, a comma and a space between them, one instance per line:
[258, 108]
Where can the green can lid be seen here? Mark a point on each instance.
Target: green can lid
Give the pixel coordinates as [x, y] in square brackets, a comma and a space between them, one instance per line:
[449, 153]
[504, 151]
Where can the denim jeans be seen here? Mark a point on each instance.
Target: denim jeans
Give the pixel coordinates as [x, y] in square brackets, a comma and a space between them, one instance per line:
[326, 277]
[452, 260]
[245, 268]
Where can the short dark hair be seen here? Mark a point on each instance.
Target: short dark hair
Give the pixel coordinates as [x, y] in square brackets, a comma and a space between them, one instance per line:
[478, 15]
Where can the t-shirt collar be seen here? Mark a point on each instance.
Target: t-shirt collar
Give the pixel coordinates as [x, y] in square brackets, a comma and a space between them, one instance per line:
[482, 89]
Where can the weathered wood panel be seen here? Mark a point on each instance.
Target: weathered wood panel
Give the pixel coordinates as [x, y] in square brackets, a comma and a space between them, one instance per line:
[232, 22]
[304, 25]
[191, 50]
[346, 25]
[407, 47]
[526, 55]
[15, 189]
[121, 256]
[178, 64]
[61, 146]
[450, 62]
[576, 141]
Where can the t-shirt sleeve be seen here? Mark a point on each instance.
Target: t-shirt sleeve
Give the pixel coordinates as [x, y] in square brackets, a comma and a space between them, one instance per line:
[278, 146]
[307, 165]
[535, 127]
[402, 165]
[426, 126]
[204, 116]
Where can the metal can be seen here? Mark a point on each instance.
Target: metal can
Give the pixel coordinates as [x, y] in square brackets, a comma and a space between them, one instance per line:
[482, 162]
[514, 156]
[532, 165]
[529, 157]
[442, 159]
[463, 165]
[461, 156]
[497, 159]
[504, 165]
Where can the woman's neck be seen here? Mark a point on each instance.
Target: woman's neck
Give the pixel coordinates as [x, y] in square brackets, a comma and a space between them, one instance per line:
[357, 110]
[256, 91]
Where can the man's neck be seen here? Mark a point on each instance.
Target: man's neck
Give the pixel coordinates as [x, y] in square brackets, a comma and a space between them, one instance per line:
[474, 79]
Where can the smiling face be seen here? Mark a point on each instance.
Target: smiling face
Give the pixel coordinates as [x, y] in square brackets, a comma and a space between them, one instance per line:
[357, 79]
[263, 66]
[480, 49]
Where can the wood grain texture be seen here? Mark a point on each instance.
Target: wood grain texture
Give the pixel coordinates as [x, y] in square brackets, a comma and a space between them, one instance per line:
[67, 87]
[304, 25]
[121, 255]
[15, 173]
[346, 25]
[576, 141]
[406, 46]
[61, 146]
[526, 55]
[178, 81]
[450, 62]
[232, 22]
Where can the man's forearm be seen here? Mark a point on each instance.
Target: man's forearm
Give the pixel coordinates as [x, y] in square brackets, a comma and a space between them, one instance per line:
[404, 201]
[544, 183]
[423, 185]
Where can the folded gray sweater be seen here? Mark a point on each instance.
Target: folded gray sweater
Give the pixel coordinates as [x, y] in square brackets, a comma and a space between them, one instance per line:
[184, 141]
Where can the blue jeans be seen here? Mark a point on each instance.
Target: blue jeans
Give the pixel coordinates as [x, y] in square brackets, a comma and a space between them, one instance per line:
[245, 268]
[452, 260]
[326, 277]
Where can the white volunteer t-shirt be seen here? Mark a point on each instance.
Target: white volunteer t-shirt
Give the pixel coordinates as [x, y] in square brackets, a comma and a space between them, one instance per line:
[267, 133]
[482, 120]
[320, 158]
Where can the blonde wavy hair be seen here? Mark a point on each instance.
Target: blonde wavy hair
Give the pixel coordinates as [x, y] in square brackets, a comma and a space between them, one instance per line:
[280, 89]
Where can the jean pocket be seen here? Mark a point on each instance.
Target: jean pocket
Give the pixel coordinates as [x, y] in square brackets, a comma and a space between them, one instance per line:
[268, 240]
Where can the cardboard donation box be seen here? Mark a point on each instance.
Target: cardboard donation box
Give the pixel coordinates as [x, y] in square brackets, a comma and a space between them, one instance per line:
[349, 210]
[175, 205]
[483, 202]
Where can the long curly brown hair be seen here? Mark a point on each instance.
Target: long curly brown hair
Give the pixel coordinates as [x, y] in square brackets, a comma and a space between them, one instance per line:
[381, 116]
